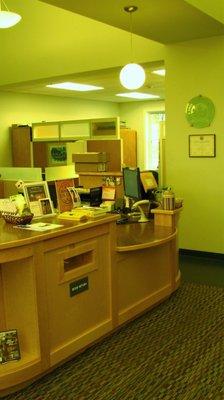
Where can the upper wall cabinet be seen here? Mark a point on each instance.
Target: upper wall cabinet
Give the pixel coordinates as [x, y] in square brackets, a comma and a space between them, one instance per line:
[105, 128]
[45, 131]
[101, 128]
[75, 130]
[61, 130]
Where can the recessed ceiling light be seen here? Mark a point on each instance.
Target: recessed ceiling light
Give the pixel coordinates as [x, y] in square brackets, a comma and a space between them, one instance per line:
[161, 72]
[74, 86]
[138, 95]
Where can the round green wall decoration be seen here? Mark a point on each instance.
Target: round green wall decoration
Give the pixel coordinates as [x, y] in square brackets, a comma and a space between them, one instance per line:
[200, 112]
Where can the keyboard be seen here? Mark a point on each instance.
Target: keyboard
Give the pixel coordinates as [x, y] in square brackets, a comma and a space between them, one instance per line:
[121, 221]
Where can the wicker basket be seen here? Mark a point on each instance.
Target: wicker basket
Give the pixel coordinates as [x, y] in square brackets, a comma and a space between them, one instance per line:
[17, 219]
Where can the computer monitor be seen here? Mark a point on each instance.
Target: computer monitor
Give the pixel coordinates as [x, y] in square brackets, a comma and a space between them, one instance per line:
[139, 185]
[132, 183]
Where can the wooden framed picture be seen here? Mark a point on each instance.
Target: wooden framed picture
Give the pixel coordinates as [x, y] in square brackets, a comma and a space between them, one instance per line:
[38, 198]
[202, 145]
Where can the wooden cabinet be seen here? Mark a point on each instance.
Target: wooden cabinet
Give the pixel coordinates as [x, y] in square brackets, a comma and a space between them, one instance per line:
[105, 128]
[112, 147]
[45, 131]
[36, 277]
[101, 128]
[61, 130]
[41, 153]
[21, 137]
[121, 151]
[129, 147]
[75, 130]
[31, 146]
[83, 261]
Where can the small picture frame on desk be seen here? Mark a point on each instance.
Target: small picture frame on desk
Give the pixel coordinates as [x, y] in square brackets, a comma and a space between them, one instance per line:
[202, 145]
[38, 198]
[46, 206]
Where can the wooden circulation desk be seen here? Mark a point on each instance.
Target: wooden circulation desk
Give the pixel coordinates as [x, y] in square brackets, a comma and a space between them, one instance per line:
[129, 268]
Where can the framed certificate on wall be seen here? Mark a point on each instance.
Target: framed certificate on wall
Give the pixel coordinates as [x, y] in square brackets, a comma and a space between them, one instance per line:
[202, 145]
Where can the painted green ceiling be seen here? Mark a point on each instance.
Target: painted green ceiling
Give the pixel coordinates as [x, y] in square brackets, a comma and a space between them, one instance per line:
[214, 8]
[166, 21]
[52, 43]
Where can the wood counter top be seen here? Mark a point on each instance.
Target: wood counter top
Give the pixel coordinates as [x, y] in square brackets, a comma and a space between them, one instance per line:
[136, 236]
[130, 237]
[10, 236]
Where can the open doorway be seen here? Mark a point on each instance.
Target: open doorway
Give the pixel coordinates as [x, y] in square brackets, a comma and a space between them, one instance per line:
[155, 144]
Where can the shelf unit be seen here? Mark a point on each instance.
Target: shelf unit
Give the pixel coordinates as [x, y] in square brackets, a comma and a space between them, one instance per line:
[18, 303]
[101, 128]
[60, 131]
[105, 128]
[33, 149]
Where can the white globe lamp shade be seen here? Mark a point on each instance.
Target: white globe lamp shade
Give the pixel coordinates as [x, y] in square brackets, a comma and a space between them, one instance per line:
[132, 76]
[8, 19]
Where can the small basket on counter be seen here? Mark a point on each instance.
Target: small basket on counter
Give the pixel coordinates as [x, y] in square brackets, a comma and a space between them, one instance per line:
[16, 219]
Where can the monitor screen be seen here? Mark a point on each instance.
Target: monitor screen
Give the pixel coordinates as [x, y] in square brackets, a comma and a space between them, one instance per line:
[96, 196]
[132, 183]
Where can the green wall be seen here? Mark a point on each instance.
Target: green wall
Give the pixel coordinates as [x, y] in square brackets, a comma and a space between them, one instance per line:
[26, 109]
[193, 68]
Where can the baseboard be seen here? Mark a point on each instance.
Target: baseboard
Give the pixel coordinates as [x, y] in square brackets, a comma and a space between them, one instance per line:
[205, 254]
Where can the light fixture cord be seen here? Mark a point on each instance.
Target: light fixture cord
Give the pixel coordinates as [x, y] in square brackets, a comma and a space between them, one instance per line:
[2, 1]
[131, 27]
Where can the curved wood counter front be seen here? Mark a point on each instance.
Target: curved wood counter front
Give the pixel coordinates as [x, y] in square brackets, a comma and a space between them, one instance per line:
[147, 267]
[66, 288]
[135, 236]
